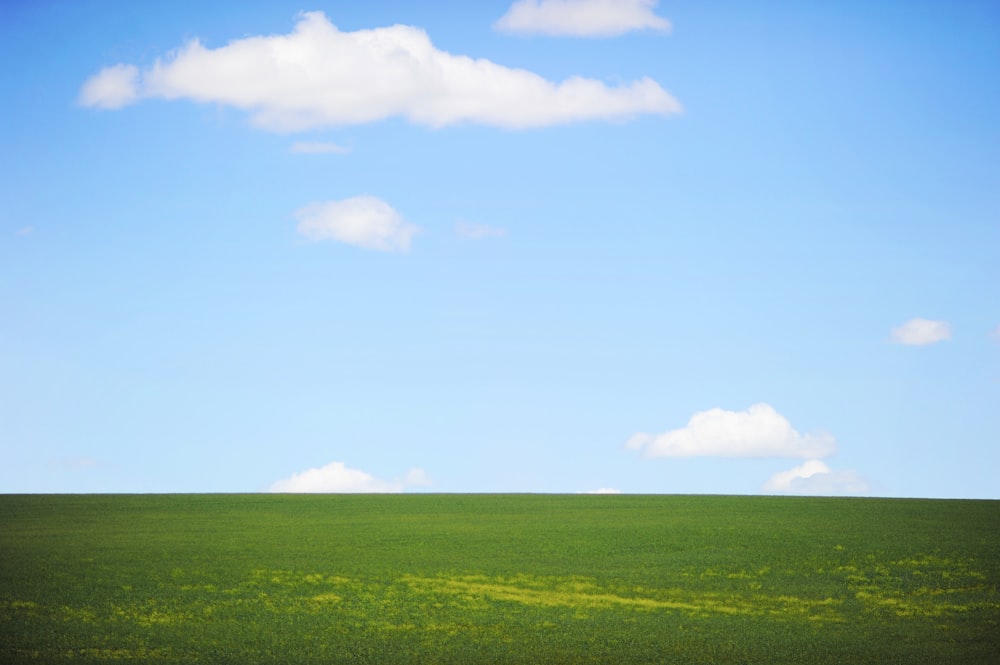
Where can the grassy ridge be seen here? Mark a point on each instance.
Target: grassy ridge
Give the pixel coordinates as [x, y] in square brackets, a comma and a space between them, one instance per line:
[497, 578]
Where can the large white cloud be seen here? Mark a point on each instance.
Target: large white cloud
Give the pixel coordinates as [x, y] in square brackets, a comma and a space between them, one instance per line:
[364, 221]
[581, 18]
[921, 332]
[318, 76]
[760, 431]
[336, 477]
[815, 477]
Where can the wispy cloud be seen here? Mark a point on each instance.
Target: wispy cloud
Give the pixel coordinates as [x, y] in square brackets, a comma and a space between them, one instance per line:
[318, 76]
[111, 88]
[337, 477]
[25, 231]
[921, 332]
[581, 18]
[604, 490]
[478, 231]
[75, 463]
[815, 477]
[363, 221]
[995, 333]
[318, 148]
[760, 431]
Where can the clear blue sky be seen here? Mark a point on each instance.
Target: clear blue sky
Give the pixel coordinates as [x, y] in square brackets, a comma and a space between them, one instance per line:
[621, 246]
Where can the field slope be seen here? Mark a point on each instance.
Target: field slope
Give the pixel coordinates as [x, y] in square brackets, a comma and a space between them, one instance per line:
[497, 579]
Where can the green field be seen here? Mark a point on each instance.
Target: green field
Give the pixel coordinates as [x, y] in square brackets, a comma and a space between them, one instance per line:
[497, 579]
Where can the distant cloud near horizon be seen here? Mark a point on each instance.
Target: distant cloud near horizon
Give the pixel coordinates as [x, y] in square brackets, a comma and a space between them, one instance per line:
[364, 221]
[317, 76]
[581, 18]
[816, 478]
[921, 332]
[337, 477]
[76, 463]
[760, 431]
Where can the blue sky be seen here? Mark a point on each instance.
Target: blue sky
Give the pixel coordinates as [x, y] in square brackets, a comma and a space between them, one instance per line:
[492, 247]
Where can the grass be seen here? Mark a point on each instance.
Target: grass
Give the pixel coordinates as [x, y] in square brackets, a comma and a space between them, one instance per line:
[497, 579]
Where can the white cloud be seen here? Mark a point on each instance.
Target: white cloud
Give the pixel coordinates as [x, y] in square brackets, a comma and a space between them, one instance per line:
[318, 148]
[336, 477]
[364, 221]
[111, 88]
[416, 477]
[76, 463]
[921, 332]
[760, 431]
[604, 490]
[581, 18]
[318, 76]
[478, 231]
[815, 477]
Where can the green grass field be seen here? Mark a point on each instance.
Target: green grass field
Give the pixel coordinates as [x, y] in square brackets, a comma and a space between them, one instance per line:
[497, 579]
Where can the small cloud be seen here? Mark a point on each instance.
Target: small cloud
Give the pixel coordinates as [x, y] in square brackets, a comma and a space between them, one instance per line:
[336, 477]
[581, 18]
[318, 76]
[760, 431]
[318, 148]
[111, 88]
[363, 221]
[477, 231]
[604, 490]
[25, 231]
[995, 333]
[921, 332]
[815, 477]
[75, 463]
[417, 477]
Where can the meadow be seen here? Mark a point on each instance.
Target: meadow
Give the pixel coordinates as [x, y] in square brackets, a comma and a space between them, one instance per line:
[497, 579]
